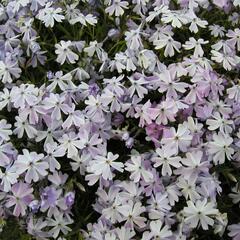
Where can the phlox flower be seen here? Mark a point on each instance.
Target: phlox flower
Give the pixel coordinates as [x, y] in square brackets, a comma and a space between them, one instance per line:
[166, 158]
[170, 45]
[70, 143]
[137, 169]
[8, 71]
[20, 198]
[35, 227]
[83, 19]
[89, 143]
[176, 18]
[59, 224]
[234, 231]
[22, 125]
[158, 206]
[56, 103]
[145, 113]
[157, 231]
[193, 166]
[196, 45]
[220, 148]
[219, 122]
[136, 86]
[63, 81]
[188, 189]
[133, 38]
[132, 214]
[117, 8]
[32, 164]
[53, 151]
[8, 178]
[49, 14]
[25, 95]
[5, 130]
[102, 165]
[169, 84]
[180, 139]
[236, 2]
[64, 52]
[200, 213]
[166, 111]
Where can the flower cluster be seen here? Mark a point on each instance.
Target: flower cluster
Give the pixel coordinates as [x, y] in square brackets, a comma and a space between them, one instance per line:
[120, 119]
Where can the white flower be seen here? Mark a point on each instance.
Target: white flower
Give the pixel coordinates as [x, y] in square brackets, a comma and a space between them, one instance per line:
[8, 178]
[5, 130]
[157, 231]
[166, 159]
[157, 11]
[193, 166]
[236, 3]
[136, 86]
[9, 70]
[219, 122]
[89, 18]
[188, 189]
[30, 162]
[170, 45]
[22, 125]
[217, 30]
[196, 45]
[220, 148]
[49, 14]
[70, 143]
[133, 38]
[59, 223]
[131, 213]
[228, 61]
[138, 170]
[179, 139]
[25, 95]
[176, 18]
[200, 212]
[65, 53]
[116, 8]
[18, 4]
[102, 165]
[197, 22]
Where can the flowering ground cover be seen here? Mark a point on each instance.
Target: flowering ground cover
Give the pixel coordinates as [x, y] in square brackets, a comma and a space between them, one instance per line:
[119, 119]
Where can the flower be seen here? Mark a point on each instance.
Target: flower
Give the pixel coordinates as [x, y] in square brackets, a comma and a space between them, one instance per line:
[65, 53]
[138, 170]
[131, 214]
[102, 165]
[9, 70]
[200, 213]
[117, 7]
[157, 231]
[234, 231]
[166, 159]
[49, 14]
[5, 130]
[179, 139]
[30, 163]
[196, 45]
[170, 45]
[59, 224]
[20, 198]
[220, 148]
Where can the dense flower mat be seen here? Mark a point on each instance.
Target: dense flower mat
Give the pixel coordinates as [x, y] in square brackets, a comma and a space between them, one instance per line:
[119, 119]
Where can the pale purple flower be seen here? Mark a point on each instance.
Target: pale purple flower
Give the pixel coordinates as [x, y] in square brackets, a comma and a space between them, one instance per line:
[20, 198]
